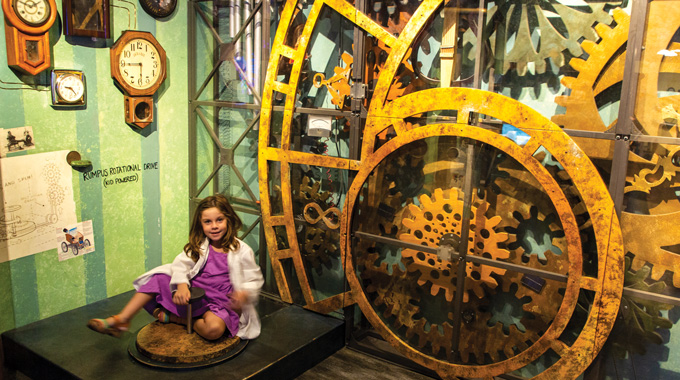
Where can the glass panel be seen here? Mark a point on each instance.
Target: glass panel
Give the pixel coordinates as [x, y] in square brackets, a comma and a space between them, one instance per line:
[538, 54]
[275, 196]
[392, 15]
[416, 195]
[325, 80]
[644, 338]
[657, 100]
[318, 194]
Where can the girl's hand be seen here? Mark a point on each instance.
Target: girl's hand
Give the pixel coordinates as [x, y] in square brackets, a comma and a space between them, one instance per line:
[238, 299]
[182, 295]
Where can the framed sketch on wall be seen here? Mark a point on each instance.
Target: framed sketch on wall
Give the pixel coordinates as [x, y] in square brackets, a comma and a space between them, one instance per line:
[87, 18]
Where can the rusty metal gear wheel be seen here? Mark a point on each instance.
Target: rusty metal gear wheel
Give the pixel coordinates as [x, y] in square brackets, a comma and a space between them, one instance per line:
[439, 216]
[540, 335]
[413, 334]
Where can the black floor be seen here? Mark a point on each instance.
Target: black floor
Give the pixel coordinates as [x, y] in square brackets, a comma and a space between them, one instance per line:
[61, 347]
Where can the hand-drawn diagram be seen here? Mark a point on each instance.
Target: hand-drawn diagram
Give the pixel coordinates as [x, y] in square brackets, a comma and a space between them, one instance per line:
[17, 139]
[37, 194]
[75, 240]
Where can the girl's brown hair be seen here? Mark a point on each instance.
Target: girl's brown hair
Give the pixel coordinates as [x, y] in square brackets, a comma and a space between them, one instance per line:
[196, 235]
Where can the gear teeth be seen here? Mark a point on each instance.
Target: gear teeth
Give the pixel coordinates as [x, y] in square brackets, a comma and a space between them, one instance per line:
[562, 101]
[569, 81]
[578, 64]
[604, 31]
[620, 16]
[540, 66]
[589, 46]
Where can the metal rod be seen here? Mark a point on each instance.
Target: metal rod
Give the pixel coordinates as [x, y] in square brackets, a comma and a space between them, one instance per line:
[191, 44]
[214, 32]
[468, 258]
[463, 247]
[629, 292]
[212, 133]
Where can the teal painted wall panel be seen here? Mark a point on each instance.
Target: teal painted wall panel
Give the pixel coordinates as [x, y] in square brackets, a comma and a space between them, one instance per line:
[137, 225]
[6, 302]
[173, 136]
[61, 285]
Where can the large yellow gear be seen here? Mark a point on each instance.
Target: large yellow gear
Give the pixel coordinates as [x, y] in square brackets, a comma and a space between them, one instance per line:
[438, 216]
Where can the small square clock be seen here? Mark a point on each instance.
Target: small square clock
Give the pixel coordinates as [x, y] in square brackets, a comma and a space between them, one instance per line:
[87, 18]
[68, 88]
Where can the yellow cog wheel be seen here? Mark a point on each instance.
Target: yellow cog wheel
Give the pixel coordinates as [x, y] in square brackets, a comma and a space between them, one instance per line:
[442, 215]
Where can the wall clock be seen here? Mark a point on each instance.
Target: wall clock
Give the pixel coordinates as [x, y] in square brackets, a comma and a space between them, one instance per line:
[26, 31]
[159, 8]
[138, 67]
[68, 88]
[87, 18]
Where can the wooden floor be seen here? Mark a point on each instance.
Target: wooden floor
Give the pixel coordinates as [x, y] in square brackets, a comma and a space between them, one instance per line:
[349, 364]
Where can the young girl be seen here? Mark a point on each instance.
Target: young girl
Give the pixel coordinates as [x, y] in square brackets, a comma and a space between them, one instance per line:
[215, 260]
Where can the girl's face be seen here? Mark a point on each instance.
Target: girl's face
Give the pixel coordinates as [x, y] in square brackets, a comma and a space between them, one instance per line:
[214, 224]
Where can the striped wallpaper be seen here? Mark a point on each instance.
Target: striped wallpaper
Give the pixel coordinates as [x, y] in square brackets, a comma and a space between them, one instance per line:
[137, 225]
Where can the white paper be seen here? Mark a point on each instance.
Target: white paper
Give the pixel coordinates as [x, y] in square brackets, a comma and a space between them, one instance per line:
[37, 197]
[75, 240]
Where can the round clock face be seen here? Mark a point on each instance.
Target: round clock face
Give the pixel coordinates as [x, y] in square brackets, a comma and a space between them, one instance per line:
[32, 12]
[70, 88]
[139, 64]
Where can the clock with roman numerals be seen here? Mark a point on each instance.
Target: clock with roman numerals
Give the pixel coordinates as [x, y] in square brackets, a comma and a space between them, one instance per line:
[138, 66]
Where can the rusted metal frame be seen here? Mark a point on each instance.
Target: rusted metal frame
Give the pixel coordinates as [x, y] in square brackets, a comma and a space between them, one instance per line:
[655, 139]
[226, 104]
[244, 78]
[191, 45]
[295, 157]
[471, 258]
[355, 129]
[207, 181]
[400, 48]
[208, 78]
[479, 54]
[214, 32]
[331, 303]
[289, 225]
[315, 111]
[362, 21]
[462, 248]
[243, 181]
[219, 149]
[265, 25]
[252, 226]
[212, 133]
[249, 208]
[655, 297]
[625, 123]
[219, 158]
[250, 127]
[358, 88]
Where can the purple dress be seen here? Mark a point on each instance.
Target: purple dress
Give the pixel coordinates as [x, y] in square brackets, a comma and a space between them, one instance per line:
[213, 278]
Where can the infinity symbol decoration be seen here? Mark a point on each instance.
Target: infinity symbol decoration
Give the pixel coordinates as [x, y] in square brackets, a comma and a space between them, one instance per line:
[322, 215]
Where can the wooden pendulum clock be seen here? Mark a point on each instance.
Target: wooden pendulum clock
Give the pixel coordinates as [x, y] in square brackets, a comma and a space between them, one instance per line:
[27, 23]
[138, 67]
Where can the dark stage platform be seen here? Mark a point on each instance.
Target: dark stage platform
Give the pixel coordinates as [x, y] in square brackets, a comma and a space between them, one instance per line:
[62, 347]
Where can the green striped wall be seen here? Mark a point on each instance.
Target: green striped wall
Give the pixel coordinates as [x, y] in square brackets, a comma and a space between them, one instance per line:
[137, 225]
